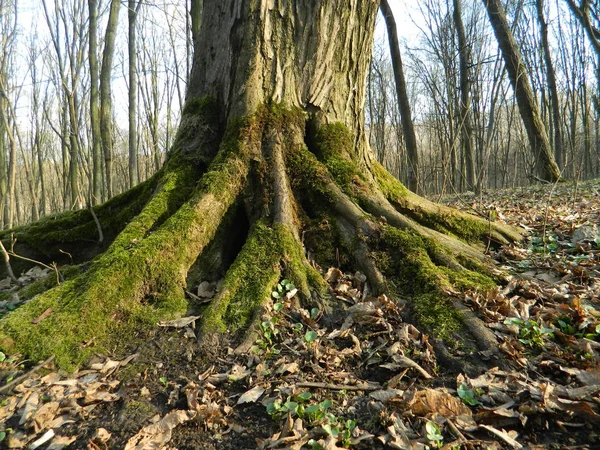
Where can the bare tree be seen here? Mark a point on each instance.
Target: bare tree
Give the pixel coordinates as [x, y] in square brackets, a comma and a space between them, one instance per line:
[106, 94]
[465, 95]
[410, 139]
[538, 139]
[132, 12]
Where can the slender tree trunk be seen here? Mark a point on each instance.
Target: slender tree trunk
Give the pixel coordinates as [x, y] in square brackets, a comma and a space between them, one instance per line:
[106, 94]
[410, 138]
[465, 96]
[132, 11]
[552, 87]
[96, 139]
[538, 140]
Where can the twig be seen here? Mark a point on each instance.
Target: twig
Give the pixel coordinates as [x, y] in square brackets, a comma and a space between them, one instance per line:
[339, 387]
[407, 362]
[23, 377]
[98, 226]
[11, 274]
[54, 267]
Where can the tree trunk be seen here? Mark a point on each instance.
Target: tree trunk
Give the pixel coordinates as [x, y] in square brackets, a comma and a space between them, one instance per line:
[551, 80]
[410, 139]
[465, 96]
[105, 94]
[538, 139]
[96, 139]
[132, 11]
[271, 147]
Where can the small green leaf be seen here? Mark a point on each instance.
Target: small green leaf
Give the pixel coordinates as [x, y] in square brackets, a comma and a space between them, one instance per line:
[312, 409]
[278, 306]
[163, 380]
[467, 395]
[291, 406]
[314, 313]
[2, 356]
[325, 404]
[310, 336]
[305, 396]
[331, 430]
[275, 294]
[350, 424]
[2, 435]
[433, 431]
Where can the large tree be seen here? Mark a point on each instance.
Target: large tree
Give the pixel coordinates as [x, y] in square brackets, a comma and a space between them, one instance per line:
[270, 169]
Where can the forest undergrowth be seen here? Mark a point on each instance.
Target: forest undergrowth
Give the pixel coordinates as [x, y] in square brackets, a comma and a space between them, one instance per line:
[362, 379]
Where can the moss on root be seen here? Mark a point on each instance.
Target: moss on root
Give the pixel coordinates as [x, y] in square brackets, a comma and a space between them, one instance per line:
[139, 280]
[408, 259]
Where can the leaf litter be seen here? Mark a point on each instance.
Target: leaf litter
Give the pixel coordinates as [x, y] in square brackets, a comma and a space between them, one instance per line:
[368, 381]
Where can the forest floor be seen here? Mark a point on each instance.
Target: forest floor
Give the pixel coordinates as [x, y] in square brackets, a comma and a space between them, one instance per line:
[367, 381]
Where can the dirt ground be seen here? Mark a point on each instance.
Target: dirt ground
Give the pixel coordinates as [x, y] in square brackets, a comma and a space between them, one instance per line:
[366, 380]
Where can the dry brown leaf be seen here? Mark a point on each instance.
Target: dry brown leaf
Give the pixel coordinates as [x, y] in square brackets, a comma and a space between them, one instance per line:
[60, 442]
[42, 316]
[44, 416]
[154, 436]
[179, 323]
[101, 435]
[429, 401]
[251, 396]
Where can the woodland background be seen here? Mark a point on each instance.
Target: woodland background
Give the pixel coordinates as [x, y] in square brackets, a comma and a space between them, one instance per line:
[84, 119]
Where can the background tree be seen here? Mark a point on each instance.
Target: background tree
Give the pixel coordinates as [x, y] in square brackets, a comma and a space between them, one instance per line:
[465, 95]
[106, 95]
[410, 139]
[547, 168]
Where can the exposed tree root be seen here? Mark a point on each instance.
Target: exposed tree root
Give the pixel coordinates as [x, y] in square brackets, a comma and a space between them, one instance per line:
[266, 187]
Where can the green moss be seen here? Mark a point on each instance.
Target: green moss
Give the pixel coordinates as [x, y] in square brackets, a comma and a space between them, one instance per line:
[139, 280]
[199, 123]
[332, 144]
[408, 259]
[389, 185]
[248, 282]
[455, 223]
[79, 226]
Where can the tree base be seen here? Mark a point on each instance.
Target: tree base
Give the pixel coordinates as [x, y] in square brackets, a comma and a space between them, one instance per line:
[267, 190]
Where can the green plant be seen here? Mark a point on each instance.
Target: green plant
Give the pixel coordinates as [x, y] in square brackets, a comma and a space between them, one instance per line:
[293, 405]
[284, 288]
[310, 336]
[266, 343]
[164, 381]
[530, 332]
[590, 331]
[468, 395]
[434, 434]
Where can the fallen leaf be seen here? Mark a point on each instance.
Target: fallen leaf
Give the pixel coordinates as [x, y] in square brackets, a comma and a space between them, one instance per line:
[251, 396]
[42, 316]
[156, 435]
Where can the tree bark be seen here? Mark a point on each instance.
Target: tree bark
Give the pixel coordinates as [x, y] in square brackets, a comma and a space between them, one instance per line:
[410, 138]
[552, 87]
[133, 7]
[538, 139]
[96, 139]
[106, 94]
[465, 96]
